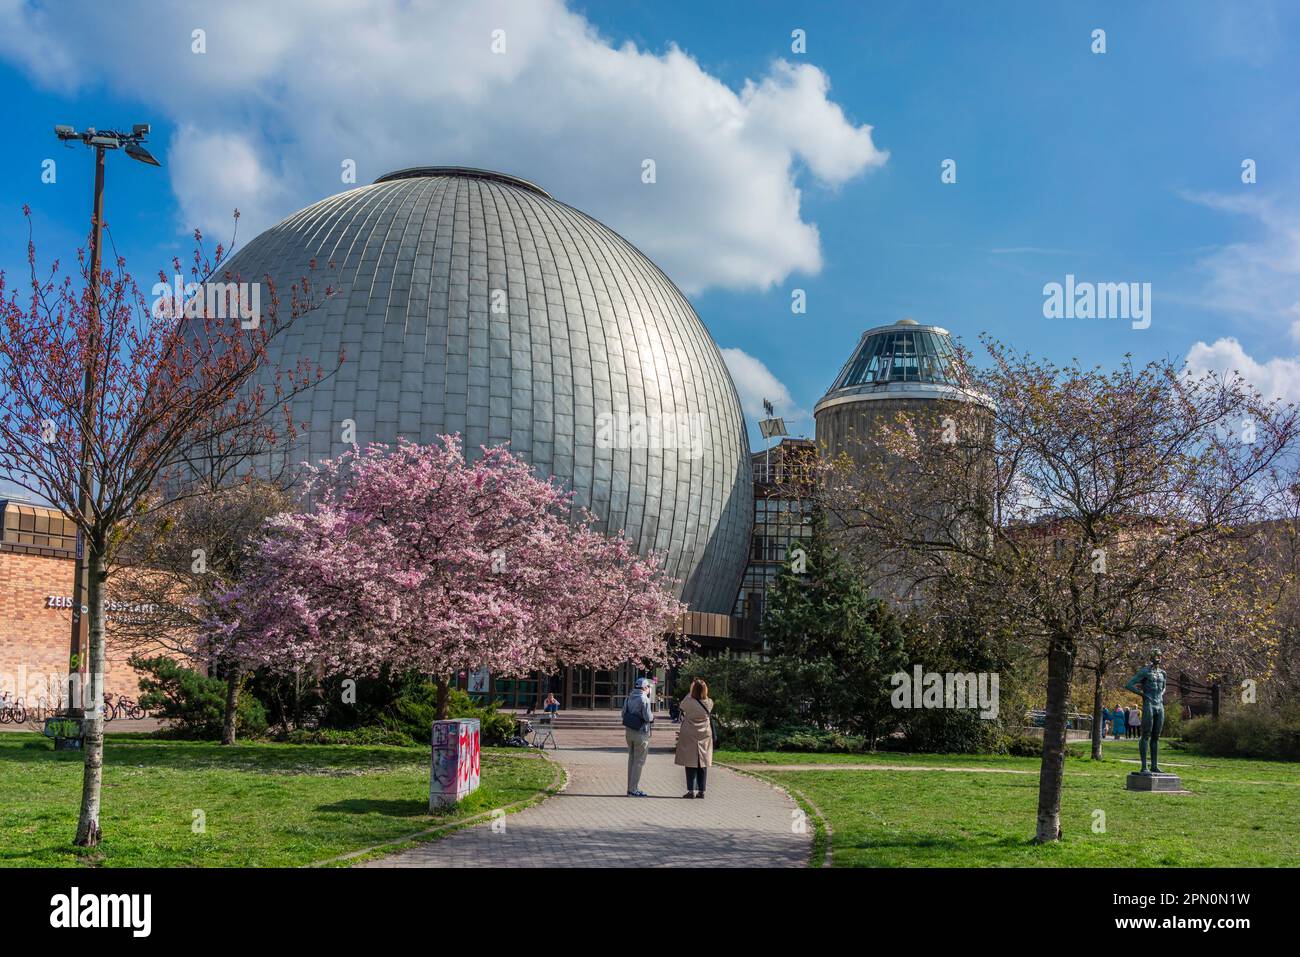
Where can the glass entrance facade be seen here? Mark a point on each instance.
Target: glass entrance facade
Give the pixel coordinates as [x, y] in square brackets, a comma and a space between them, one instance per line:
[576, 688]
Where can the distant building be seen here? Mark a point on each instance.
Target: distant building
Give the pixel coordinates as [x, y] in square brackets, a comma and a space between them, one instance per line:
[38, 547]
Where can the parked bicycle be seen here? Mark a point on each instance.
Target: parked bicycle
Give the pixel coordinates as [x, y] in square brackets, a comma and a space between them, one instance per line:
[123, 707]
[13, 712]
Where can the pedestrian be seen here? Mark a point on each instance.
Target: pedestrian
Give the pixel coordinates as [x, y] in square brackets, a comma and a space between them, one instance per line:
[638, 721]
[1118, 720]
[1105, 721]
[695, 738]
[552, 704]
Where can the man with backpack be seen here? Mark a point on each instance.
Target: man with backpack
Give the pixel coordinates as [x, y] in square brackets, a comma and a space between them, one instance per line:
[638, 719]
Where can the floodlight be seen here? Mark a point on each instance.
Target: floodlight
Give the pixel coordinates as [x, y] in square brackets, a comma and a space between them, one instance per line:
[138, 152]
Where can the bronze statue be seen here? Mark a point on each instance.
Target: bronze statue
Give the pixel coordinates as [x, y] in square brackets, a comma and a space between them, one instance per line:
[1149, 682]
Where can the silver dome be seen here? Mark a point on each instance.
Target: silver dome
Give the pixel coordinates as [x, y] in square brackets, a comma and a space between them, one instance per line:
[470, 301]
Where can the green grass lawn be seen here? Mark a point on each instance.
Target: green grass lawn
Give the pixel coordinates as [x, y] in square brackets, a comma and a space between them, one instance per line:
[263, 804]
[1241, 812]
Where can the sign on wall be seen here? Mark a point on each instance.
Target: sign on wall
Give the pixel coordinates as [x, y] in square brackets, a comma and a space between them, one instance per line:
[455, 769]
[111, 608]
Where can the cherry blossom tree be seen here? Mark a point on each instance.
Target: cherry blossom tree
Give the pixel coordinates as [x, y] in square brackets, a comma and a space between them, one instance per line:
[102, 387]
[412, 558]
[1078, 504]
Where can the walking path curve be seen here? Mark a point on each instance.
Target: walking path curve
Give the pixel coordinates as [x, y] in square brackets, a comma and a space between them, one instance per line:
[744, 822]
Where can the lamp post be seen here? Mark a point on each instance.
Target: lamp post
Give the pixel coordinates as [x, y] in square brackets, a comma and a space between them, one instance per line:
[102, 141]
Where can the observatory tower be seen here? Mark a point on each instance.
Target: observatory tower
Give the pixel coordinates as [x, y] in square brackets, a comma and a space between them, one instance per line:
[904, 367]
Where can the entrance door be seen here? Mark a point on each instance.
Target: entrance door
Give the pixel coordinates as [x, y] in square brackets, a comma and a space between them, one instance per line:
[580, 688]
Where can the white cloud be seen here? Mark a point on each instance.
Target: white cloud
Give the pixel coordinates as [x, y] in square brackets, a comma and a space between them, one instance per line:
[209, 169]
[1274, 378]
[755, 382]
[1259, 278]
[1256, 280]
[289, 90]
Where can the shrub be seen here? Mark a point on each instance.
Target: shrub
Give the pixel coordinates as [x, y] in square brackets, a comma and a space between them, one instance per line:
[413, 714]
[194, 703]
[1272, 735]
[948, 731]
[807, 738]
[1174, 721]
[359, 736]
[1024, 746]
[389, 709]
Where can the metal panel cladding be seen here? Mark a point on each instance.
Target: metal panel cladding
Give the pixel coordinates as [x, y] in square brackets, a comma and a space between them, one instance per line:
[469, 301]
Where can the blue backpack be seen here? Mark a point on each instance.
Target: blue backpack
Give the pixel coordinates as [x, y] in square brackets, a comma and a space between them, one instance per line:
[633, 721]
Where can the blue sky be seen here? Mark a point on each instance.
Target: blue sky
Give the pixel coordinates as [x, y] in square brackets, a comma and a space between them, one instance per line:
[1123, 166]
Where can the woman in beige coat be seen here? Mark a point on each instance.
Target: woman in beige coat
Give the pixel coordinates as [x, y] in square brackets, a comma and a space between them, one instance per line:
[695, 738]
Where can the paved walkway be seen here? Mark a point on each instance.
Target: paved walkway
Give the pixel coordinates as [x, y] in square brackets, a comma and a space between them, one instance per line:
[743, 822]
[116, 726]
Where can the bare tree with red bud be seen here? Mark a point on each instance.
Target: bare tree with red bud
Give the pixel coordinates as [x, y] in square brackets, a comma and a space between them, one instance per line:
[167, 376]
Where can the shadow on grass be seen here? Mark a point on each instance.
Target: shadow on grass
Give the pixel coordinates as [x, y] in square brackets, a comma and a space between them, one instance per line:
[267, 757]
[922, 842]
[378, 806]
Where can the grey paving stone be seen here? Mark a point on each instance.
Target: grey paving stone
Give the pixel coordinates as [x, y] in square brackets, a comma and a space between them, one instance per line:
[742, 823]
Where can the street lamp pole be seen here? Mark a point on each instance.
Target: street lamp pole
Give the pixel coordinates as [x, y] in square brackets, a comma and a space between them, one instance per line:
[101, 141]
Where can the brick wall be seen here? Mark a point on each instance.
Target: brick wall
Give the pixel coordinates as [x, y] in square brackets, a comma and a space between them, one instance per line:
[34, 637]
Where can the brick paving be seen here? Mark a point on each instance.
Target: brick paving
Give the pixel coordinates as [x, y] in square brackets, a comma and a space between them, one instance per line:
[743, 822]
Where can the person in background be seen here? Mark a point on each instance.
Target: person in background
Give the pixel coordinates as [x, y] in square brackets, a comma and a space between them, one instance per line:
[552, 703]
[1105, 721]
[1118, 719]
[638, 720]
[1134, 722]
[695, 739]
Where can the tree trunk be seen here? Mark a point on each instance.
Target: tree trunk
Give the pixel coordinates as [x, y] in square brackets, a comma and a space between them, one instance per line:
[233, 677]
[1098, 674]
[1060, 669]
[444, 698]
[88, 833]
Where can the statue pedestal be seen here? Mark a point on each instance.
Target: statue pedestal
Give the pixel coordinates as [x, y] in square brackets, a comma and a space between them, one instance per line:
[1137, 781]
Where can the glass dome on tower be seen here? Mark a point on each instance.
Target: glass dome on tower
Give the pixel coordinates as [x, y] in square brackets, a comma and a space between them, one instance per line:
[892, 358]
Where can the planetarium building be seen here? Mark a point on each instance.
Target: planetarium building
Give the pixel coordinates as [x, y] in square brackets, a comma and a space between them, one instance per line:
[472, 302]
